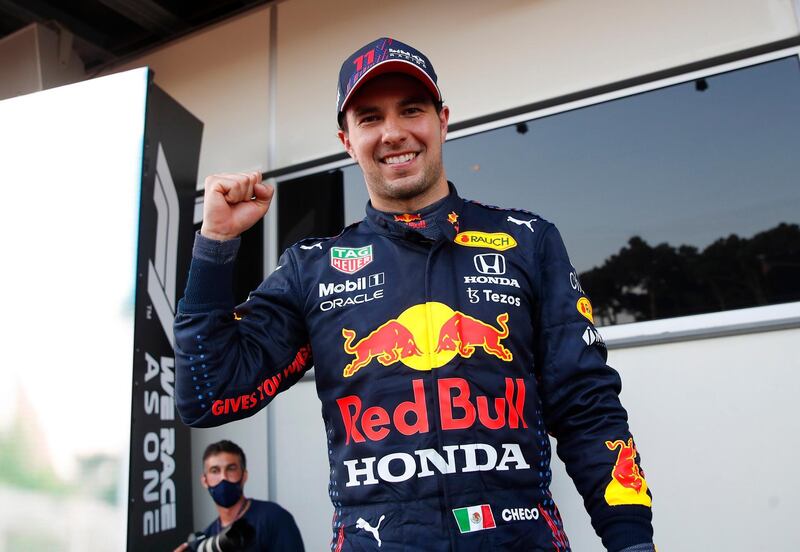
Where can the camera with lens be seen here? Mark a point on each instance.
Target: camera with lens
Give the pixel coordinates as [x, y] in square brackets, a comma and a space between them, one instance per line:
[234, 538]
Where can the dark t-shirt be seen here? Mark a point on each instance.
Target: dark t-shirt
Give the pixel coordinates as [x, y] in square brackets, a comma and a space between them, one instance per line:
[275, 528]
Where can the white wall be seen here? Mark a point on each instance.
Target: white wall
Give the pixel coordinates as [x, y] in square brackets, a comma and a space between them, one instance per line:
[716, 426]
[37, 58]
[301, 460]
[713, 418]
[497, 55]
[221, 75]
[19, 61]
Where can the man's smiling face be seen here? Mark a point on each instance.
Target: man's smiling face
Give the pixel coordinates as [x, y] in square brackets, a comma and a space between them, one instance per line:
[395, 134]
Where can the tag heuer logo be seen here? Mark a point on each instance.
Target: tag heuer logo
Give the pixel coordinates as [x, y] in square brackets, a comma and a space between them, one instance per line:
[350, 259]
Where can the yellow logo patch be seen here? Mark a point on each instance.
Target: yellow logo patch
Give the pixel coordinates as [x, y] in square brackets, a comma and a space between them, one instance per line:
[585, 308]
[426, 336]
[497, 240]
[627, 485]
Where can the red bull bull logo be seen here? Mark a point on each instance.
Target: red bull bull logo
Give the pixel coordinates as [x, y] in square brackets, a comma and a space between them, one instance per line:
[388, 344]
[627, 485]
[463, 333]
[412, 221]
[406, 217]
[452, 218]
[426, 336]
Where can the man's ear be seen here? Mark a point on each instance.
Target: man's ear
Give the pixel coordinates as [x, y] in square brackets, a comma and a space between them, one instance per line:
[244, 477]
[344, 138]
[203, 481]
[444, 118]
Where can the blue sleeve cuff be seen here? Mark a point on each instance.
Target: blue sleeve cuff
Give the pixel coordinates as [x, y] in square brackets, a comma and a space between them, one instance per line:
[215, 251]
[644, 547]
[209, 285]
[632, 533]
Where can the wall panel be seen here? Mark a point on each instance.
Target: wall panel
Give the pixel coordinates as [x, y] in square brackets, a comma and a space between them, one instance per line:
[716, 427]
[492, 56]
[221, 75]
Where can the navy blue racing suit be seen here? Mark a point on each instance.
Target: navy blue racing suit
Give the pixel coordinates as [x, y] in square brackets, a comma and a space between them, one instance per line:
[274, 528]
[442, 365]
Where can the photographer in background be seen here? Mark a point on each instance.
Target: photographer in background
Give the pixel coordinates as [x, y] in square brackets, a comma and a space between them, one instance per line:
[259, 526]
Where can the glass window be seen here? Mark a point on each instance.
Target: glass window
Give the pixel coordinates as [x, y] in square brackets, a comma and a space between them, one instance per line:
[675, 201]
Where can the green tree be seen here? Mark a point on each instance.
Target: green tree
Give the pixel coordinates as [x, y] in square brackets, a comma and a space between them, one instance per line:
[642, 282]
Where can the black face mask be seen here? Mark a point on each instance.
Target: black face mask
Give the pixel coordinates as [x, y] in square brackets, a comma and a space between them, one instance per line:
[225, 493]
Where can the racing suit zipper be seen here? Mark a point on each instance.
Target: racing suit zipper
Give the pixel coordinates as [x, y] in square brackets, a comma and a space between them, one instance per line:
[444, 501]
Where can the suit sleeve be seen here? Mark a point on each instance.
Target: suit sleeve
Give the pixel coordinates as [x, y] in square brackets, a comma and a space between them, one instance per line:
[580, 395]
[231, 361]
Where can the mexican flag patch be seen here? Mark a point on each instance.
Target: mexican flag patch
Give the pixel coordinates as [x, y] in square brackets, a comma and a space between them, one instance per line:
[474, 518]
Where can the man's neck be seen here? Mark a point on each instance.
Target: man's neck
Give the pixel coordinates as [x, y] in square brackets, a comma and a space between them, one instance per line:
[229, 515]
[414, 204]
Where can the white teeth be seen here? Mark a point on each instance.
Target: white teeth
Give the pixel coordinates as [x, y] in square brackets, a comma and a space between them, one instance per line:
[399, 158]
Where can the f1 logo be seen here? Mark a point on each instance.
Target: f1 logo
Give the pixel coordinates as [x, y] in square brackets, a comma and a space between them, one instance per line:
[490, 263]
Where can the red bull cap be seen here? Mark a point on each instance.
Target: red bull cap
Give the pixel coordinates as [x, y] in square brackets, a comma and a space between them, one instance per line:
[381, 56]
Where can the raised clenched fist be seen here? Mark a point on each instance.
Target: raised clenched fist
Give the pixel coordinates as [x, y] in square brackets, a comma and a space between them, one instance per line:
[233, 203]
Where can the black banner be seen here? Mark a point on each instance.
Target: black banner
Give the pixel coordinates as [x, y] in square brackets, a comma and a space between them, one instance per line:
[159, 487]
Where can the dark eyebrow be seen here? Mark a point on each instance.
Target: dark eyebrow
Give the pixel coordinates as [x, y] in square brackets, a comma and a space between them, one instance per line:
[413, 100]
[367, 109]
[364, 109]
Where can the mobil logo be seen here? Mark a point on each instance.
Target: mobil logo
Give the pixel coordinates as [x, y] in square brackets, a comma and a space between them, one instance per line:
[426, 336]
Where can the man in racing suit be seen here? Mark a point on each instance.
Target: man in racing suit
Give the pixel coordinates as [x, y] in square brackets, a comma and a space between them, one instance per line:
[449, 339]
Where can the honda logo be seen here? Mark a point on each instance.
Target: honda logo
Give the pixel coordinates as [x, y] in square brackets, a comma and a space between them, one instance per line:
[490, 263]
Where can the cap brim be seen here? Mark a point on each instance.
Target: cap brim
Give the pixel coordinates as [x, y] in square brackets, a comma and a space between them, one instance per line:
[394, 66]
